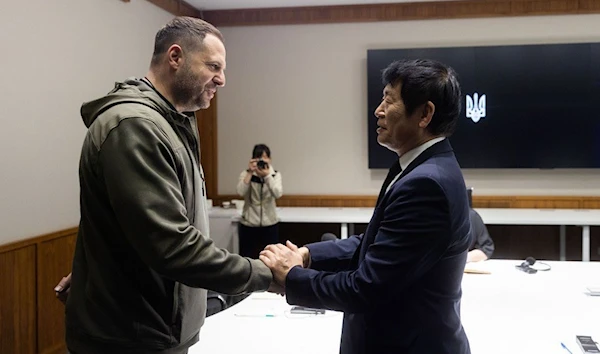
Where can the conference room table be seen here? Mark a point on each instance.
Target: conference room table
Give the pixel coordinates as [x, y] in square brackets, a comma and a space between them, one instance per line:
[347, 217]
[506, 311]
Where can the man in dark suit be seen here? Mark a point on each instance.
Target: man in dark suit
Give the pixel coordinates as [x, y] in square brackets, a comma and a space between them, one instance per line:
[482, 245]
[399, 283]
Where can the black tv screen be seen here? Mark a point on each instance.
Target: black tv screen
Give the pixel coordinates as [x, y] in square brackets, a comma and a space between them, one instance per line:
[539, 104]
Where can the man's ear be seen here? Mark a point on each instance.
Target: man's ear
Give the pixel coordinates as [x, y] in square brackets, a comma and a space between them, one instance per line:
[175, 56]
[427, 112]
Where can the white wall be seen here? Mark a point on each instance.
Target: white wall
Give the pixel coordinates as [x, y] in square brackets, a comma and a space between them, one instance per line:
[56, 55]
[302, 91]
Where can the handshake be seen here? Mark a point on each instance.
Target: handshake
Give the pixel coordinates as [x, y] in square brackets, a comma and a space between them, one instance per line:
[281, 259]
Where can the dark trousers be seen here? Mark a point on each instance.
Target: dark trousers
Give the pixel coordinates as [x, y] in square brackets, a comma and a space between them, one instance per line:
[255, 239]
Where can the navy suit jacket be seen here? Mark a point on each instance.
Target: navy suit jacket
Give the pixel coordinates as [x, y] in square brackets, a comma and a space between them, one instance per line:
[399, 283]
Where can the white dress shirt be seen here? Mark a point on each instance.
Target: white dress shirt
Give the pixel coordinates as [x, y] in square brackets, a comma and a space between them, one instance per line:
[411, 155]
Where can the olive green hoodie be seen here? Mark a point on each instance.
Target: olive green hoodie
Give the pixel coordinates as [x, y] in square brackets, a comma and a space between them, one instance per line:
[144, 255]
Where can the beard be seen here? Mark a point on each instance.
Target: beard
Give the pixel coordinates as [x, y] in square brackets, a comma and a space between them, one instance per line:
[188, 91]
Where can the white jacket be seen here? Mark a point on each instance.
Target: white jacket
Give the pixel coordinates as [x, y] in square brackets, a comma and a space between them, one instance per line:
[259, 198]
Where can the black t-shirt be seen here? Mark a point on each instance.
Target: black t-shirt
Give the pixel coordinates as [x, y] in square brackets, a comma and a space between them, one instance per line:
[480, 237]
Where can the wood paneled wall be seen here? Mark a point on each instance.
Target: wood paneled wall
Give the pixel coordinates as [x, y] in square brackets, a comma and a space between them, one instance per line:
[399, 12]
[31, 318]
[18, 301]
[349, 201]
[177, 7]
[207, 130]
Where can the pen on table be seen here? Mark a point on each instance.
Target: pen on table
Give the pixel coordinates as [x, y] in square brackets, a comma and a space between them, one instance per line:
[254, 315]
[564, 346]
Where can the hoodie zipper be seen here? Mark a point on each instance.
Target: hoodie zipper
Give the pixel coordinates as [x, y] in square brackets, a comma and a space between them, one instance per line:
[196, 148]
[195, 157]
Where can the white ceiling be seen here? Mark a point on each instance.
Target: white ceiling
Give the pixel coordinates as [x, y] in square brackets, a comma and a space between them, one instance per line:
[247, 4]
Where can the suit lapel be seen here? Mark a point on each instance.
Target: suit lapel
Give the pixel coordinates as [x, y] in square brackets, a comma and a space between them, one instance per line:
[393, 171]
[438, 148]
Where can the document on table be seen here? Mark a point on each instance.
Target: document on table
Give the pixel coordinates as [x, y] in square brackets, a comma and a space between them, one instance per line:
[477, 268]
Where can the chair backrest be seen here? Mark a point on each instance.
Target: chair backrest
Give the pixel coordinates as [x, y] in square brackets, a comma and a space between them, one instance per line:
[215, 303]
[470, 196]
[328, 236]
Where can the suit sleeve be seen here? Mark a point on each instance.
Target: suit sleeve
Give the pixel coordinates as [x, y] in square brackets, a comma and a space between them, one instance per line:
[413, 236]
[483, 241]
[335, 255]
[140, 173]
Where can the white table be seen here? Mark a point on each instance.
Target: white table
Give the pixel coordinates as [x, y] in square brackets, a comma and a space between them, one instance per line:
[507, 311]
[347, 217]
[224, 228]
[560, 217]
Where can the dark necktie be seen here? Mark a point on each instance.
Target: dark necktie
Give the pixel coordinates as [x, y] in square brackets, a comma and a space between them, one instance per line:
[393, 172]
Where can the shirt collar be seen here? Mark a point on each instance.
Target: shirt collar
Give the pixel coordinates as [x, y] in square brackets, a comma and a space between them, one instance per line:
[411, 155]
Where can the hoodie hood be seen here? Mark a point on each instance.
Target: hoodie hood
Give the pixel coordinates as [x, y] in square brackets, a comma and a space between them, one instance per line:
[130, 91]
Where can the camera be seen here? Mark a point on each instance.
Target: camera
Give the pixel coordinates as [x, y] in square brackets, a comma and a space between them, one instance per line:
[262, 164]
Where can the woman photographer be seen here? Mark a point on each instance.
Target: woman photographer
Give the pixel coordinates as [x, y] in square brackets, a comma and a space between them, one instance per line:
[260, 185]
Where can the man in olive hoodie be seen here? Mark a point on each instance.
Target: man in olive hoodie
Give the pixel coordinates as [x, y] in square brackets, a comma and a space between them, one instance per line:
[144, 255]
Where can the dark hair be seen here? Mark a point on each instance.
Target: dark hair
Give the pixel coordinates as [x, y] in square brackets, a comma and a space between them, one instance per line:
[425, 80]
[259, 149]
[185, 31]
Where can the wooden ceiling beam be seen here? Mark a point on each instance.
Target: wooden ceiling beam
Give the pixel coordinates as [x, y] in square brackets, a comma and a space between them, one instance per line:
[398, 12]
[177, 7]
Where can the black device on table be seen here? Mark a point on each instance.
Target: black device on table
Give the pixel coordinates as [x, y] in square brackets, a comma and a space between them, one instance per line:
[587, 344]
[528, 268]
[307, 310]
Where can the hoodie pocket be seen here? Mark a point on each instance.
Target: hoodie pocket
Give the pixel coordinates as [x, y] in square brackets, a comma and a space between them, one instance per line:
[175, 303]
[174, 321]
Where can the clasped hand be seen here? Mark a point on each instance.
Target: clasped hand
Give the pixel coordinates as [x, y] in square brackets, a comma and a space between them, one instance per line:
[281, 259]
